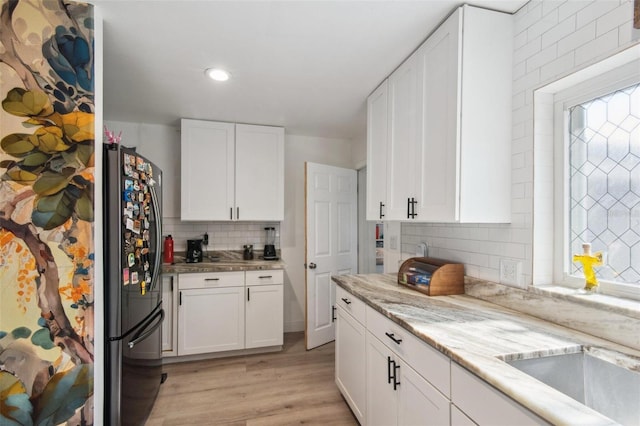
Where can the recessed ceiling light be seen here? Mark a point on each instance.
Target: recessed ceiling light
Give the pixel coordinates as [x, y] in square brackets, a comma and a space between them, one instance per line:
[217, 74]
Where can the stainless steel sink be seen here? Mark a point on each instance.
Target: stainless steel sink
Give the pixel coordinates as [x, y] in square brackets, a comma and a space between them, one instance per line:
[608, 384]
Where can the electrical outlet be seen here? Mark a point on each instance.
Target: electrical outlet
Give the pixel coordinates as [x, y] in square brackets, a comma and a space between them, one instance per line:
[510, 271]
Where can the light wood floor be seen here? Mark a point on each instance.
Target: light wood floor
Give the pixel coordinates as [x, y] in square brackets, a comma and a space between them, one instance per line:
[294, 386]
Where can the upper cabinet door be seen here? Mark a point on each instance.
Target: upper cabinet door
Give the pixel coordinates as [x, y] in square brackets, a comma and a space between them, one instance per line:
[259, 173]
[207, 170]
[377, 141]
[439, 59]
[403, 136]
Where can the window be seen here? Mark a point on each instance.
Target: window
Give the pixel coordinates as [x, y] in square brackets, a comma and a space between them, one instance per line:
[604, 182]
[597, 179]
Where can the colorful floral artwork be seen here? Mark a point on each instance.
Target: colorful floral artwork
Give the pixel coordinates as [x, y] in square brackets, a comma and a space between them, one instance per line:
[47, 144]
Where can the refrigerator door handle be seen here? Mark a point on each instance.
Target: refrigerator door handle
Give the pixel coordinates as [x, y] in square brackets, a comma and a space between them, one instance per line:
[158, 261]
[140, 336]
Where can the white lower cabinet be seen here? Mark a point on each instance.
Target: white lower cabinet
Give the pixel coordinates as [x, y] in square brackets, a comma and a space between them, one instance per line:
[408, 382]
[210, 320]
[264, 308]
[350, 369]
[397, 394]
[226, 311]
[264, 322]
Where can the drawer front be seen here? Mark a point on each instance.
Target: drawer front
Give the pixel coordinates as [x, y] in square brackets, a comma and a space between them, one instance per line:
[264, 277]
[351, 304]
[211, 279]
[427, 361]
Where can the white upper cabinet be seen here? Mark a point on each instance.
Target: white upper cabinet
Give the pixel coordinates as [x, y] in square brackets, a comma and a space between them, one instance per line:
[259, 173]
[207, 170]
[231, 171]
[449, 149]
[402, 149]
[467, 89]
[377, 142]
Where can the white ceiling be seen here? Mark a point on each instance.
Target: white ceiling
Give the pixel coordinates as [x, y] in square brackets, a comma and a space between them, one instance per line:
[304, 65]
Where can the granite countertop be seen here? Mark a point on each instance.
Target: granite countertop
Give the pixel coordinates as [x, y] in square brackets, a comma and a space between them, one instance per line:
[479, 335]
[221, 261]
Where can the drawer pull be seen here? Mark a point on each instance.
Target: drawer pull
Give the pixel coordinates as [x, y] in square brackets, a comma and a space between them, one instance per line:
[347, 301]
[212, 279]
[393, 337]
[265, 276]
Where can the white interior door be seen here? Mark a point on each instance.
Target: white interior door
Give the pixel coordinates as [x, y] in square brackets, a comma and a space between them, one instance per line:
[331, 243]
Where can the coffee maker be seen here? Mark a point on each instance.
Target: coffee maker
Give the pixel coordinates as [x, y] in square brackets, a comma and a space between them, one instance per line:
[194, 251]
[269, 245]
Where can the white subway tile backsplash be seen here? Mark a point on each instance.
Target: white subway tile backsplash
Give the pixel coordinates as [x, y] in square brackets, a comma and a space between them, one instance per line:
[557, 67]
[546, 23]
[550, 6]
[571, 7]
[558, 32]
[594, 11]
[222, 235]
[612, 19]
[528, 16]
[597, 48]
[520, 39]
[580, 37]
[531, 48]
[543, 57]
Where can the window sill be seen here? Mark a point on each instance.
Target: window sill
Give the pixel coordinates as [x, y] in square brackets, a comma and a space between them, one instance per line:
[615, 319]
[619, 305]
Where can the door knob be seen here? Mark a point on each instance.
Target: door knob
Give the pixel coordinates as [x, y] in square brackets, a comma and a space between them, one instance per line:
[312, 265]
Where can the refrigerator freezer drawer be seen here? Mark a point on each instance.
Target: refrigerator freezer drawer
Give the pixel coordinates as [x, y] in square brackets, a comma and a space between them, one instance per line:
[211, 279]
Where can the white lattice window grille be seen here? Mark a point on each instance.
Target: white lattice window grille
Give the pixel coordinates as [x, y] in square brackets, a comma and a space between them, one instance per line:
[597, 179]
[604, 183]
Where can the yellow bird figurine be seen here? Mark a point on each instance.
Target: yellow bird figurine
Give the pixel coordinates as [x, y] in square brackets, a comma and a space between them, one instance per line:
[588, 261]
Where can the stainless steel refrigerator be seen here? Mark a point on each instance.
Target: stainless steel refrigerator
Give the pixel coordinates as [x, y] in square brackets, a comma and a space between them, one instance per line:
[133, 295]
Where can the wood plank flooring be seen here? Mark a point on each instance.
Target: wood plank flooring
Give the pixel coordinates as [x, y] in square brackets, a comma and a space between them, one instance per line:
[294, 386]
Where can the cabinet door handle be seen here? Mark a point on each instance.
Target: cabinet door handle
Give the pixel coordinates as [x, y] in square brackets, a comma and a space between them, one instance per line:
[347, 301]
[265, 276]
[389, 376]
[396, 382]
[180, 302]
[230, 213]
[333, 313]
[411, 208]
[237, 213]
[381, 206]
[248, 294]
[393, 337]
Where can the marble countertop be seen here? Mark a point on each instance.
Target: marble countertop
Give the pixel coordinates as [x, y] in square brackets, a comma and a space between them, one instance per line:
[221, 261]
[479, 335]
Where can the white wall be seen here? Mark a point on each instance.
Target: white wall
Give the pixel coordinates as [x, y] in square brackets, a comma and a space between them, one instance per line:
[298, 150]
[161, 145]
[552, 39]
